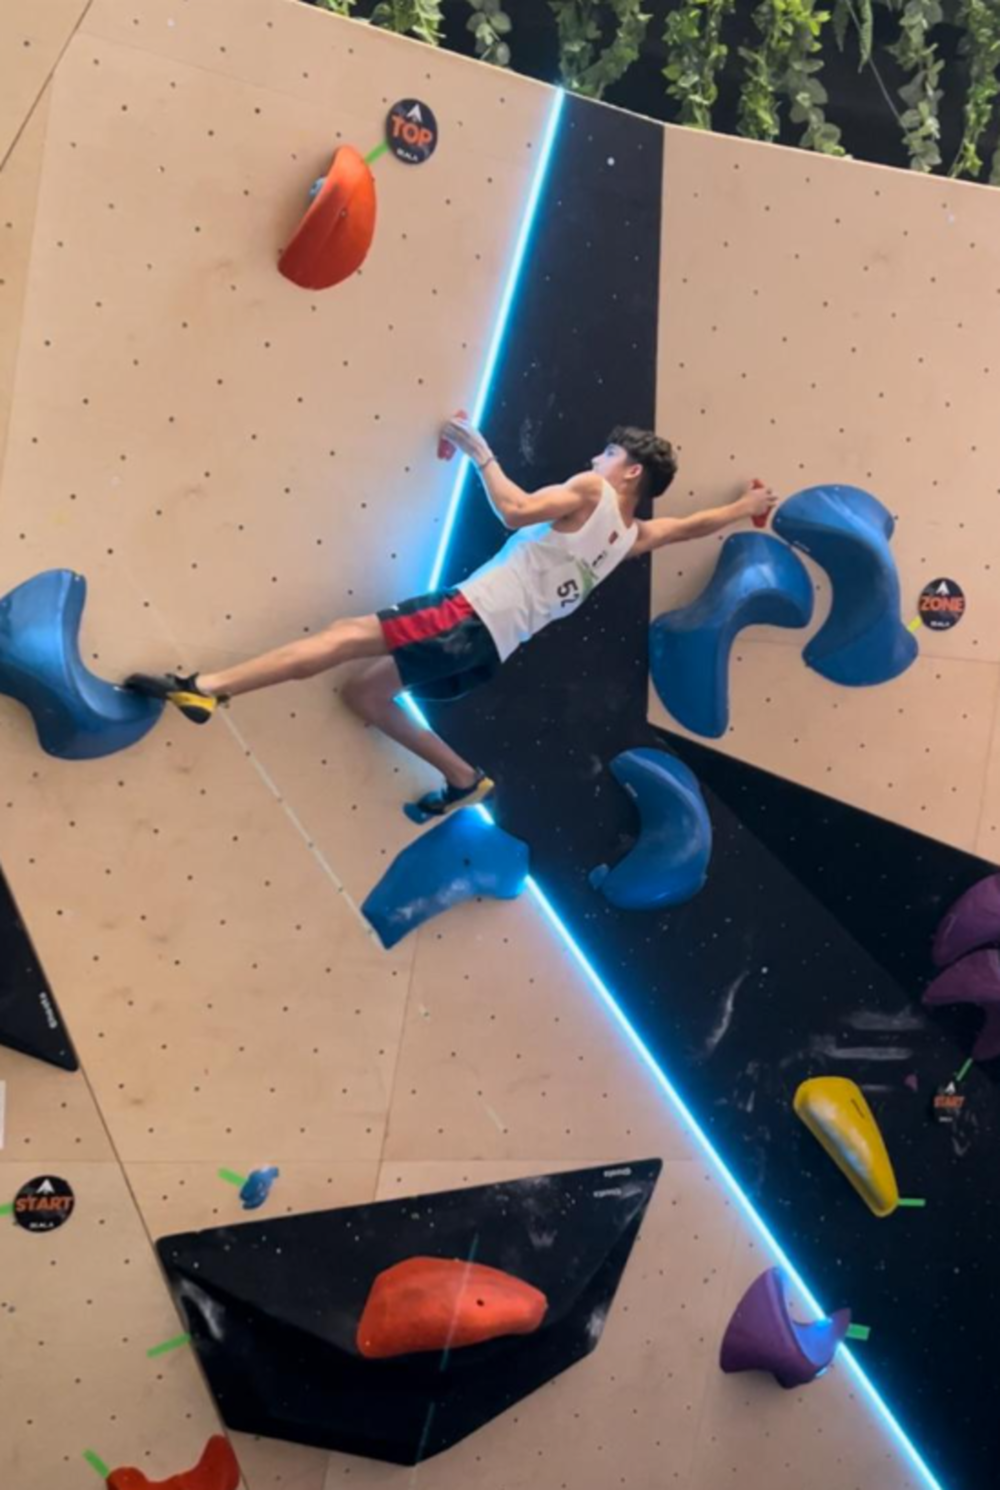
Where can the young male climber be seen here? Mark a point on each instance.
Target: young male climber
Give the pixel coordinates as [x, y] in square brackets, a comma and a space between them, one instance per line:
[565, 540]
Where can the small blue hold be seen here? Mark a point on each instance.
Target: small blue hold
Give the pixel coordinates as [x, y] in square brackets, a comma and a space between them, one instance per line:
[257, 1187]
[316, 188]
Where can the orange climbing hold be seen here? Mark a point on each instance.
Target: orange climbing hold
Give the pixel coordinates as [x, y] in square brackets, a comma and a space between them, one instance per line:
[217, 1469]
[332, 240]
[437, 1303]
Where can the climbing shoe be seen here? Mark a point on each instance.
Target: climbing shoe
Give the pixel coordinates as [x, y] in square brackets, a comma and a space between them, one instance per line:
[183, 693]
[440, 803]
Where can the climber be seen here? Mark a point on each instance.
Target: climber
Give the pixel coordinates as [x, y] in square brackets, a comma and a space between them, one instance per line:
[565, 540]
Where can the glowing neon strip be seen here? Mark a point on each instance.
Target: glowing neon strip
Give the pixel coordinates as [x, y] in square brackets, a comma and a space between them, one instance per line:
[844, 1355]
[500, 325]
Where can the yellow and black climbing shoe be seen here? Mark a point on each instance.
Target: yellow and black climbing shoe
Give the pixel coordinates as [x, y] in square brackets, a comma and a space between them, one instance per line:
[183, 693]
[440, 803]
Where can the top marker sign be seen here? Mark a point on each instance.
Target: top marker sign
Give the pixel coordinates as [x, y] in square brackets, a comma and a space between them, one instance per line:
[411, 131]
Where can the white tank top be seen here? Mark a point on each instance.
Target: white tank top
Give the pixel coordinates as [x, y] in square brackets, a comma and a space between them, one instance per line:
[540, 574]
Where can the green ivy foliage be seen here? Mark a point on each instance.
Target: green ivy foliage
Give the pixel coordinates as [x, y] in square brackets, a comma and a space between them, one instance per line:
[917, 54]
[696, 55]
[599, 40]
[419, 18]
[588, 63]
[786, 65]
[981, 46]
[856, 15]
[489, 24]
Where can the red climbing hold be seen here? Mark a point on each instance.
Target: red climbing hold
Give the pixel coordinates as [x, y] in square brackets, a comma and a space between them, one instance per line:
[332, 240]
[437, 1303]
[217, 1469]
[761, 521]
[446, 450]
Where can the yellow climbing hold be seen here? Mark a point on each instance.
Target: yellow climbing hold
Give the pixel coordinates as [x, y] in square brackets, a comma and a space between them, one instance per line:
[836, 1113]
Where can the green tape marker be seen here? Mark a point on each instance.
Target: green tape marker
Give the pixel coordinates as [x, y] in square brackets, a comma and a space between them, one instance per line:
[8, 1209]
[96, 1462]
[232, 1178]
[374, 154]
[858, 1331]
[914, 624]
[174, 1344]
[913, 1203]
[965, 1070]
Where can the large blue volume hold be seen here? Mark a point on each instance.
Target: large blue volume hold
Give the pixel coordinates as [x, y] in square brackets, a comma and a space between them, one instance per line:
[757, 582]
[465, 856]
[846, 531]
[77, 715]
[668, 863]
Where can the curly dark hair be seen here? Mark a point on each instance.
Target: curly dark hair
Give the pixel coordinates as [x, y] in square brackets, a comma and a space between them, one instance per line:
[654, 454]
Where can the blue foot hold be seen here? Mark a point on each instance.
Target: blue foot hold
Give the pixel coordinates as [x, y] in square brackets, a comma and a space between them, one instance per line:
[465, 856]
[846, 531]
[669, 862]
[77, 715]
[257, 1187]
[757, 582]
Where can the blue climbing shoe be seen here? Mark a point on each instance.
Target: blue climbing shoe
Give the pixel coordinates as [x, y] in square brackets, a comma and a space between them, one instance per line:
[438, 804]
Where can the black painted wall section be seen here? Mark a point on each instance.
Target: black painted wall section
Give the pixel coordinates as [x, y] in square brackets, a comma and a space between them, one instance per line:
[756, 984]
[277, 1308]
[888, 886]
[30, 1021]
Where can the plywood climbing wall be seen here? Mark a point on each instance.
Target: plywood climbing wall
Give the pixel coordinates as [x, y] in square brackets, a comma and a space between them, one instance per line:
[824, 321]
[232, 462]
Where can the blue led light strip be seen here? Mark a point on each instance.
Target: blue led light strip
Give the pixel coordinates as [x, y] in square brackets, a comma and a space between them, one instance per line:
[845, 1356]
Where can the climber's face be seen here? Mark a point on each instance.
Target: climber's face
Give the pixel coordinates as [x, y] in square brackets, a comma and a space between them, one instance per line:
[617, 467]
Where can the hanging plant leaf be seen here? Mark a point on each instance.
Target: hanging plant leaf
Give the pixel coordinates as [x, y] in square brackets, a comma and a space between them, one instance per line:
[981, 45]
[866, 31]
[419, 18]
[917, 54]
[786, 65]
[588, 66]
[695, 57]
[488, 23]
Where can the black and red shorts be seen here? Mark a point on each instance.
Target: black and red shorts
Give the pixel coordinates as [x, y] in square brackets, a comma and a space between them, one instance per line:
[441, 647]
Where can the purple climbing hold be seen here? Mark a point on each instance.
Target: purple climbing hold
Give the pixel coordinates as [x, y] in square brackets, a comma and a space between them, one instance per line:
[762, 1335]
[973, 921]
[974, 980]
